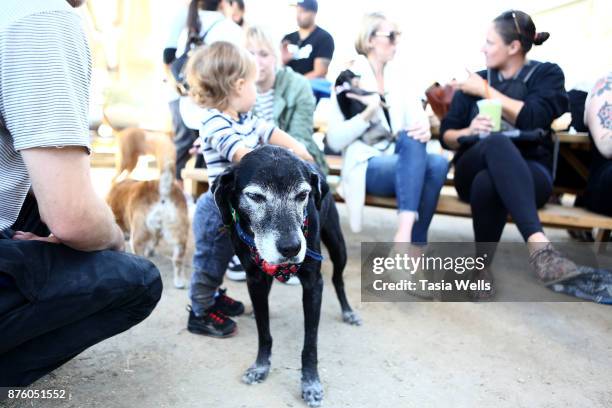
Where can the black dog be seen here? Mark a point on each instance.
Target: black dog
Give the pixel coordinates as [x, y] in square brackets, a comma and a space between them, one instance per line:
[279, 209]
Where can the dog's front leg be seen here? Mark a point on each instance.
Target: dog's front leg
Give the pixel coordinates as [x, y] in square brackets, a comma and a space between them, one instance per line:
[312, 390]
[259, 288]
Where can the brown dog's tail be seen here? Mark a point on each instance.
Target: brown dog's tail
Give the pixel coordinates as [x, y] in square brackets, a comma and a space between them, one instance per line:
[166, 180]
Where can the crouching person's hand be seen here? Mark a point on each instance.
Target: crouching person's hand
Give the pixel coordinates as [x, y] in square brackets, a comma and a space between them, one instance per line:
[118, 243]
[28, 236]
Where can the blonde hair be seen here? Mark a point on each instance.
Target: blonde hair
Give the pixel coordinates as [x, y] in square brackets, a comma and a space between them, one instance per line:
[257, 36]
[212, 72]
[369, 25]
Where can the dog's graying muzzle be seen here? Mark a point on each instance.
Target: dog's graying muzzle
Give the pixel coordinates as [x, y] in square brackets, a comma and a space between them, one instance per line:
[285, 271]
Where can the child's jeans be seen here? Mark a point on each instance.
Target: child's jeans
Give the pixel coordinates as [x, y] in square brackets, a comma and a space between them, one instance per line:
[213, 251]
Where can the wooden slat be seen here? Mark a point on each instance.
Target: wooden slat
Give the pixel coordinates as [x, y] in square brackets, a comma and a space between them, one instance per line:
[195, 174]
[577, 138]
[556, 214]
[334, 163]
[551, 215]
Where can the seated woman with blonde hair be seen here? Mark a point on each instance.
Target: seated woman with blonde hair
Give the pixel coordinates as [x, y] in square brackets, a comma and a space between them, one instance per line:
[384, 145]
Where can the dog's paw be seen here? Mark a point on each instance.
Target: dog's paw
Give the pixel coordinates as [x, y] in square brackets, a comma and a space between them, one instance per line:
[312, 393]
[255, 374]
[179, 283]
[351, 318]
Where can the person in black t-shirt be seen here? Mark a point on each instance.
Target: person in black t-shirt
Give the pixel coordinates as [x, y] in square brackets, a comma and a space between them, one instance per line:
[310, 49]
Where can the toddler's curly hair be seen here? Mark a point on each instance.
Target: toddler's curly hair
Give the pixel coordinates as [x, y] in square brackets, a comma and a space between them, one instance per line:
[212, 72]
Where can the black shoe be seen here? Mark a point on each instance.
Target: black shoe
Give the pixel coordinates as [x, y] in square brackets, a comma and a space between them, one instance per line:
[213, 323]
[227, 305]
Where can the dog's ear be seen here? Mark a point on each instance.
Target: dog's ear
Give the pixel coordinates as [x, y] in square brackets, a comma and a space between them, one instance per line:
[317, 186]
[223, 190]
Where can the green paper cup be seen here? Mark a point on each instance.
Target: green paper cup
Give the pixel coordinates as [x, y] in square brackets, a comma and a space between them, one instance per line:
[493, 109]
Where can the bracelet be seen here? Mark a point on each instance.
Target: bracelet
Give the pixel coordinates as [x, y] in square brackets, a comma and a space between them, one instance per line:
[487, 92]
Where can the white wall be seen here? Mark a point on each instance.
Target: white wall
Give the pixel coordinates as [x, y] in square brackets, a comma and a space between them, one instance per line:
[441, 38]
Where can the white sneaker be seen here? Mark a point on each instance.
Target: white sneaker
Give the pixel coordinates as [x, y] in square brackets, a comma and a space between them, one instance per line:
[234, 270]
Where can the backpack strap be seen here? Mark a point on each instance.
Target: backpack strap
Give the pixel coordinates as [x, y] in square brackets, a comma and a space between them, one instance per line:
[203, 36]
[210, 28]
[524, 73]
[528, 70]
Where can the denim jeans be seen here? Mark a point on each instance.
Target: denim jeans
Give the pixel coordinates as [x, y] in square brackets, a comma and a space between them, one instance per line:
[213, 251]
[55, 302]
[411, 175]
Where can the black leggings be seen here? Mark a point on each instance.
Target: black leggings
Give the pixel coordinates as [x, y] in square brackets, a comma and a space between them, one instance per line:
[598, 196]
[496, 180]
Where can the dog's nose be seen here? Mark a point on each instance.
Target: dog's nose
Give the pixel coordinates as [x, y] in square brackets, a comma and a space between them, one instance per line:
[289, 247]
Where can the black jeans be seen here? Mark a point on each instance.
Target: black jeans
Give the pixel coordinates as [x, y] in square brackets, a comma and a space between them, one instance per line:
[598, 195]
[55, 302]
[496, 180]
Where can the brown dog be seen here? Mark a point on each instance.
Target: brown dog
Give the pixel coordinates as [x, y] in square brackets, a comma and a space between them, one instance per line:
[133, 143]
[150, 210]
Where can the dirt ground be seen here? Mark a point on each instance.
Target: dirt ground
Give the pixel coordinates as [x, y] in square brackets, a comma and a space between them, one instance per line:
[405, 355]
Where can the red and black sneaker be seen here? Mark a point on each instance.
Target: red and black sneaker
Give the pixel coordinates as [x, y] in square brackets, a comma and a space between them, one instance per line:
[213, 323]
[227, 305]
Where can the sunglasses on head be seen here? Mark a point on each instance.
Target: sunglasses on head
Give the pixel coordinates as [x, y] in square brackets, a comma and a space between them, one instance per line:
[516, 24]
[391, 35]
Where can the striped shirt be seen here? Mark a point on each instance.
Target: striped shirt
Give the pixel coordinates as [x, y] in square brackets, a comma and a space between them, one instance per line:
[264, 106]
[44, 89]
[221, 136]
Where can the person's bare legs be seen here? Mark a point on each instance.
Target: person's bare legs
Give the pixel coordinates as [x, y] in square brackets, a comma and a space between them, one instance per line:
[537, 241]
[406, 220]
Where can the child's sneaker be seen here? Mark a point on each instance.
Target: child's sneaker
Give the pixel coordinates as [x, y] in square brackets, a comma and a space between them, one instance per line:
[235, 271]
[227, 305]
[213, 323]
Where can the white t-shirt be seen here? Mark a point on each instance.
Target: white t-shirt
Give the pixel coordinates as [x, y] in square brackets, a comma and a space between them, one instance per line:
[176, 28]
[223, 30]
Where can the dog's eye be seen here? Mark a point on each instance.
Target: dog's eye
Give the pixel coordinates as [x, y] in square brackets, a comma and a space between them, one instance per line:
[258, 198]
[302, 196]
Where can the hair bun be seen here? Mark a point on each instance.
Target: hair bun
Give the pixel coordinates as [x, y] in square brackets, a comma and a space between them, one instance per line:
[540, 38]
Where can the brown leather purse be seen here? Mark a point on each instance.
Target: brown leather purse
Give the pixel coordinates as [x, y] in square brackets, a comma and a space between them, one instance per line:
[440, 98]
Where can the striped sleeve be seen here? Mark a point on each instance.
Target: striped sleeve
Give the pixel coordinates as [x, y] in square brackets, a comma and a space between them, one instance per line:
[263, 129]
[217, 133]
[44, 81]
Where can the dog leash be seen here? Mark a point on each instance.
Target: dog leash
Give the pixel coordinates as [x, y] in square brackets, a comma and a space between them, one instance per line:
[282, 272]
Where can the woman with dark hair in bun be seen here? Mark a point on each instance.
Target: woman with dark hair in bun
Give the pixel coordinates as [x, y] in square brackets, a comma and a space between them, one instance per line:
[499, 175]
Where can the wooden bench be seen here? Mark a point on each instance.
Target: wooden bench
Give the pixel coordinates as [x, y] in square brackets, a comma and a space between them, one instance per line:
[552, 215]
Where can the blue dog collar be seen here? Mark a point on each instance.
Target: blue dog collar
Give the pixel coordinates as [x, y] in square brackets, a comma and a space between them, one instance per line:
[282, 272]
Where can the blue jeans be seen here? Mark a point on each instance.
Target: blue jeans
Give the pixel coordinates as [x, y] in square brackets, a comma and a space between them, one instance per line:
[213, 251]
[411, 175]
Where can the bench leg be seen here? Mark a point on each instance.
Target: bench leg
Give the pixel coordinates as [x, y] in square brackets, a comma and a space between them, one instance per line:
[601, 240]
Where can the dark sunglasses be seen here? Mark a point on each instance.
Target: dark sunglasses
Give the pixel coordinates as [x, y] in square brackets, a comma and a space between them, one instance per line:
[392, 35]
